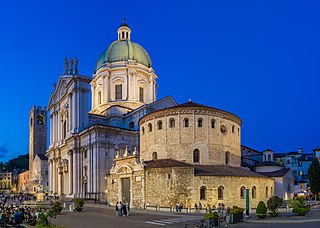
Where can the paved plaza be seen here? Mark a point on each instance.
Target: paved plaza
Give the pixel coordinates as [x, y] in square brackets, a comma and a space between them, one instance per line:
[104, 216]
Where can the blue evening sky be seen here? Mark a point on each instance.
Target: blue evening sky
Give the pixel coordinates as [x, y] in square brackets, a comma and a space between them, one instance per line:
[257, 59]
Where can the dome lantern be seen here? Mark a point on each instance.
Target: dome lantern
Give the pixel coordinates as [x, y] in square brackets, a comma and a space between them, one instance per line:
[124, 31]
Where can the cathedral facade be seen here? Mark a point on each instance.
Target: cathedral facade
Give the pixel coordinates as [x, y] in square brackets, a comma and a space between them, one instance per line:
[132, 147]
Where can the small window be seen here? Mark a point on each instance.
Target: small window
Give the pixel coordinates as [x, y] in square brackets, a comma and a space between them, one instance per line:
[85, 154]
[118, 92]
[126, 35]
[154, 156]
[169, 176]
[31, 122]
[227, 158]
[213, 123]
[254, 192]
[242, 192]
[131, 124]
[202, 193]
[142, 129]
[200, 122]
[141, 93]
[150, 127]
[186, 122]
[171, 123]
[99, 97]
[196, 156]
[220, 193]
[159, 124]
[232, 129]
[267, 192]
[269, 157]
[271, 191]
[122, 34]
[289, 188]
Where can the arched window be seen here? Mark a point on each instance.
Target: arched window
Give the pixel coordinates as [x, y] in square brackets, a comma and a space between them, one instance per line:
[202, 193]
[141, 94]
[118, 89]
[267, 192]
[126, 35]
[242, 192]
[150, 127]
[213, 123]
[64, 129]
[232, 129]
[196, 156]
[122, 34]
[199, 122]
[40, 119]
[254, 192]
[142, 129]
[154, 156]
[227, 158]
[220, 193]
[269, 157]
[271, 191]
[159, 124]
[131, 124]
[186, 122]
[171, 123]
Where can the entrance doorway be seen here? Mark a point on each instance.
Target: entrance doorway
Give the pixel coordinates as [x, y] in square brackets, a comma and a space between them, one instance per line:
[125, 184]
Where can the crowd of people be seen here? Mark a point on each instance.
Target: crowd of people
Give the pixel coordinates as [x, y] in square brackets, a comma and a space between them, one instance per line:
[14, 213]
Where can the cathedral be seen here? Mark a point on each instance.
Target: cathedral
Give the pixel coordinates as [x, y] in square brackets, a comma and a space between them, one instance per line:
[132, 147]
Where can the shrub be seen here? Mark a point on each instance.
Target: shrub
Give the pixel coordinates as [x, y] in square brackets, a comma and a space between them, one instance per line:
[261, 210]
[299, 206]
[78, 204]
[274, 203]
[56, 209]
[237, 210]
[212, 215]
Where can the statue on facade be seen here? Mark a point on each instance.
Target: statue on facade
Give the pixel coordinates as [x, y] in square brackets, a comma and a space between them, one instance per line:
[75, 66]
[66, 66]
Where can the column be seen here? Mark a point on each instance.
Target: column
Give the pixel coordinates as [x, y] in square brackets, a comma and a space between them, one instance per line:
[73, 109]
[74, 171]
[51, 136]
[54, 175]
[70, 170]
[51, 175]
[70, 113]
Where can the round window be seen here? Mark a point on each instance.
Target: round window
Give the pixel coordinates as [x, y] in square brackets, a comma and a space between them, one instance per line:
[223, 129]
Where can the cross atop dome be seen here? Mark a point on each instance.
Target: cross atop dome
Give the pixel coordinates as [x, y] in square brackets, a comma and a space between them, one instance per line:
[124, 31]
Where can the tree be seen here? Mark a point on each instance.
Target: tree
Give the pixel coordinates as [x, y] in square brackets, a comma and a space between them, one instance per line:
[314, 177]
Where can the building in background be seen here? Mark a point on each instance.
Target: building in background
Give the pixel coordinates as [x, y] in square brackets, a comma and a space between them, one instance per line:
[5, 181]
[37, 146]
[23, 182]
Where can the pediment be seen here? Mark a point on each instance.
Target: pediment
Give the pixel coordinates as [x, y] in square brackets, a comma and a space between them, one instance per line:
[59, 90]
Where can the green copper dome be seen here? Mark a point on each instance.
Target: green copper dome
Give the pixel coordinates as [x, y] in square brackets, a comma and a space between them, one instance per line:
[124, 50]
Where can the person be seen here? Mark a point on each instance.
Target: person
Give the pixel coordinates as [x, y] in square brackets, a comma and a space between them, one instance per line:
[228, 216]
[124, 209]
[200, 206]
[196, 207]
[117, 208]
[17, 217]
[177, 207]
[120, 209]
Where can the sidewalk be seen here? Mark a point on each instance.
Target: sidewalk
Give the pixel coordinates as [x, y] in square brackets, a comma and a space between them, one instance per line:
[166, 213]
[286, 217]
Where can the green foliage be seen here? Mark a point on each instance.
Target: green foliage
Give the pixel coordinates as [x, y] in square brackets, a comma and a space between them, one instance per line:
[237, 210]
[300, 206]
[42, 221]
[212, 215]
[78, 204]
[261, 210]
[21, 162]
[274, 203]
[56, 209]
[314, 176]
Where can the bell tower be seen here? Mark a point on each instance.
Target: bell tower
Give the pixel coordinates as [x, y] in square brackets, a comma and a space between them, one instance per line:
[37, 132]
